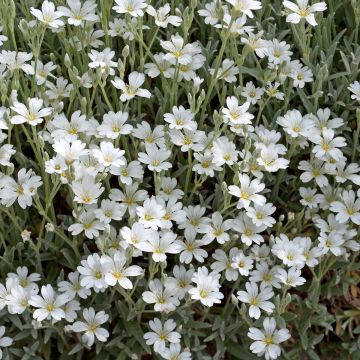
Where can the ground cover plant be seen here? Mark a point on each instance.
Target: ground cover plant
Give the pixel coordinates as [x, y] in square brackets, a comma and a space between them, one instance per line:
[179, 179]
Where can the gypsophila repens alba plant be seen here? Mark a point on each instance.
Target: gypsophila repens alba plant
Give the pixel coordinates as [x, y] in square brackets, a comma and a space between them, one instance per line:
[179, 179]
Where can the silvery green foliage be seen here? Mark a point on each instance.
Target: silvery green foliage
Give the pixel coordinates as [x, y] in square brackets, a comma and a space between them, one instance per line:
[179, 180]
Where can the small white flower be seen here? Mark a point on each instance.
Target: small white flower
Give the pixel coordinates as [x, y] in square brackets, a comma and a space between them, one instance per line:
[160, 246]
[33, 114]
[248, 191]
[355, 89]
[180, 118]
[48, 15]
[268, 339]
[132, 89]
[49, 304]
[118, 273]
[163, 298]
[257, 299]
[207, 287]
[301, 10]
[161, 333]
[5, 341]
[133, 7]
[93, 271]
[86, 190]
[91, 326]
[348, 208]
[77, 12]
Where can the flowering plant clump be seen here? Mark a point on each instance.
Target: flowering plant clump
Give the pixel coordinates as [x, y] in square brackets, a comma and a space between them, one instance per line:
[179, 180]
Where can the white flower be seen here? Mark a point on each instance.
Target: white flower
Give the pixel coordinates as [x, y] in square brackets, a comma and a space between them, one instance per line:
[160, 246]
[72, 287]
[242, 263]
[223, 262]
[43, 71]
[180, 118]
[343, 174]
[249, 231]
[62, 128]
[150, 214]
[313, 170]
[143, 131]
[227, 71]
[70, 151]
[168, 189]
[155, 158]
[348, 208]
[217, 229]
[91, 326]
[109, 210]
[60, 90]
[128, 172]
[93, 271]
[21, 191]
[48, 15]
[291, 253]
[302, 10]
[33, 114]
[248, 191]
[103, 60]
[113, 125]
[224, 151]
[205, 165]
[17, 60]
[251, 93]
[292, 277]
[108, 155]
[260, 215]
[77, 13]
[5, 341]
[178, 52]
[327, 145]
[207, 287]
[257, 299]
[272, 90]
[133, 7]
[269, 159]
[266, 275]
[211, 13]
[23, 278]
[136, 234]
[3, 38]
[331, 242]
[246, 6]
[301, 75]
[86, 190]
[278, 51]
[118, 272]
[6, 151]
[192, 248]
[162, 17]
[49, 304]
[309, 197]
[132, 89]
[294, 124]
[161, 333]
[268, 339]
[18, 299]
[355, 89]
[181, 280]
[129, 198]
[174, 353]
[163, 298]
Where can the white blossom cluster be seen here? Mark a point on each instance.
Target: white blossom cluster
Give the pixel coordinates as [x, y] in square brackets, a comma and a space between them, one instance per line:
[164, 174]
